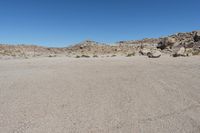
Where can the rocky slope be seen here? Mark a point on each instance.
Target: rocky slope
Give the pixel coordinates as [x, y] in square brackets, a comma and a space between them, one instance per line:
[17, 51]
[92, 48]
[180, 44]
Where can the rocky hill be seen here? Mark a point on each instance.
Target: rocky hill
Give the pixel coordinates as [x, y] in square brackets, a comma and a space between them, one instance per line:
[189, 42]
[92, 48]
[180, 44]
[25, 51]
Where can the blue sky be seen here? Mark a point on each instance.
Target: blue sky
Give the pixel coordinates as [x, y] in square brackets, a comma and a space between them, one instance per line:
[60, 23]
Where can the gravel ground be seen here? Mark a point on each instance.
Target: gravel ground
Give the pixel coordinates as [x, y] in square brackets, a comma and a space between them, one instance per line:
[102, 95]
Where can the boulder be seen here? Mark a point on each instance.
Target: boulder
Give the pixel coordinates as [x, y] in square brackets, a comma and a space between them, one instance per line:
[154, 54]
[170, 40]
[145, 51]
[197, 36]
[180, 52]
[196, 49]
[189, 51]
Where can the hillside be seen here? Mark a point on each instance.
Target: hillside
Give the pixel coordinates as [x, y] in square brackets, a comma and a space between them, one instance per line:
[188, 43]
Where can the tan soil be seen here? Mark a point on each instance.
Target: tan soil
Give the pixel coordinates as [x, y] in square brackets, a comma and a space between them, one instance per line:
[102, 95]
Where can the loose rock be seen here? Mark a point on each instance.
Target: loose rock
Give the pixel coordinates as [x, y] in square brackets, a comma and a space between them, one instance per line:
[154, 54]
[180, 52]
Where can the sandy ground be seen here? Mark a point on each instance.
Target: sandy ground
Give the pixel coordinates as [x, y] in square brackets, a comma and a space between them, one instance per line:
[105, 95]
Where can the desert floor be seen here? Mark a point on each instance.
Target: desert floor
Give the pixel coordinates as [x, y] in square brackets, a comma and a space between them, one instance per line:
[102, 95]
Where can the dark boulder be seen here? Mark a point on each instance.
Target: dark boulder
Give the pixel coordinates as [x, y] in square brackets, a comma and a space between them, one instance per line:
[197, 36]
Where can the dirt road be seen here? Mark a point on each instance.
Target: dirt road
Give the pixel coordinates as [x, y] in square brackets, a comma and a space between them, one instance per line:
[103, 95]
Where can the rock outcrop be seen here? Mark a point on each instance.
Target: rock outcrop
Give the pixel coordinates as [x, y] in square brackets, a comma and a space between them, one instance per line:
[180, 41]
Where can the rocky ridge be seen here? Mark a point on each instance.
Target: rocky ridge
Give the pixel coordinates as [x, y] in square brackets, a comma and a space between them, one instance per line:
[180, 44]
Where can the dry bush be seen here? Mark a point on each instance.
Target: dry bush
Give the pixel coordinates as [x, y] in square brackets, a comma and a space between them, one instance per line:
[131, 54]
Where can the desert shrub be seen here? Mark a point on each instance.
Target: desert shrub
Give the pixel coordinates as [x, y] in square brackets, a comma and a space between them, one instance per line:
[113, 55]
[7, 52]
[14, 55]
[196, 52]
[95, 56]
[131, 54]
[77, 56]
[85, 56]
[52, 56]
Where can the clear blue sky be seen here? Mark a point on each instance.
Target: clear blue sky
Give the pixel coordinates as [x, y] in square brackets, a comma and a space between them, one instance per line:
[64, 22]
